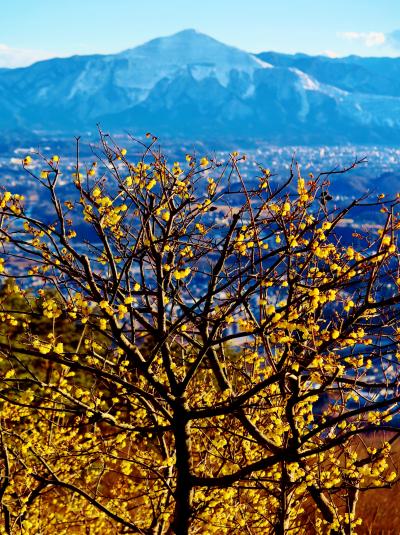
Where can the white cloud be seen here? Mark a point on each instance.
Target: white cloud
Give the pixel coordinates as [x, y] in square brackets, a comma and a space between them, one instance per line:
[369, 39]
[330, 54]
[20, 57]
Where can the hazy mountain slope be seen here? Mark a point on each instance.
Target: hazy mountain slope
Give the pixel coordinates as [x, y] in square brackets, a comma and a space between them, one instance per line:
[379, 76]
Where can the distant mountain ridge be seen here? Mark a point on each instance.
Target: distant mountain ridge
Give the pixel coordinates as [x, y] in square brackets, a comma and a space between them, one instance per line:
[190, 85]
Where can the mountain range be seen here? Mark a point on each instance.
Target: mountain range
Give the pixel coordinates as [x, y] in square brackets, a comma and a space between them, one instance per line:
[189, 85]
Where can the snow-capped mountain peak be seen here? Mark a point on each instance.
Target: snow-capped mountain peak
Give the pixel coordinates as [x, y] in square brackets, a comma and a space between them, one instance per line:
[191, 84]
[201, 54]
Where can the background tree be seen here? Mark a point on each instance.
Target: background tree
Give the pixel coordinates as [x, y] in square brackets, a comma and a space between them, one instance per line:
[231, 354]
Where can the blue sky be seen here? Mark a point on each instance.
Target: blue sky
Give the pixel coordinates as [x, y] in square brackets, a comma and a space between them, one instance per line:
[37, 29]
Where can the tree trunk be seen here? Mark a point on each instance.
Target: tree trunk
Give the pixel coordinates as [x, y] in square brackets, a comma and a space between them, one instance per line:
[352, 498]
[282, 521]
[183, 491]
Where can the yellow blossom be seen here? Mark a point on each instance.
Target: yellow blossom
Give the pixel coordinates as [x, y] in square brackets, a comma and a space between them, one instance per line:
[181, 274]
